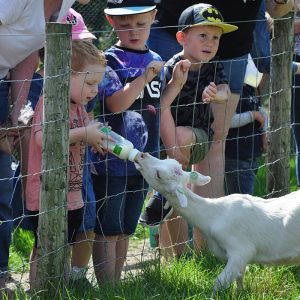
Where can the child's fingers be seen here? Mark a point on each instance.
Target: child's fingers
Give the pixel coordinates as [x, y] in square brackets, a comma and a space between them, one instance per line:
[206, 100]
[185, 65]
[212, 89]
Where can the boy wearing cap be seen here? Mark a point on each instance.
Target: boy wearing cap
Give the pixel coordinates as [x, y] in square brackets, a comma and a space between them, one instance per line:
[129, 100]
[193, 81]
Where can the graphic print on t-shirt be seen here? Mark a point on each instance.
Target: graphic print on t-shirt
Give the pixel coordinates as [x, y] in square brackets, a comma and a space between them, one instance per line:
[76, 159]
[139, 123]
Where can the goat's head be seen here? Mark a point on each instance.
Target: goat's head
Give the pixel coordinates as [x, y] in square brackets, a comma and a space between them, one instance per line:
[166, 176]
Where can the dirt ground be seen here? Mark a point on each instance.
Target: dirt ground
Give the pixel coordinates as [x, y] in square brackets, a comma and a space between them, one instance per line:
[139, 253]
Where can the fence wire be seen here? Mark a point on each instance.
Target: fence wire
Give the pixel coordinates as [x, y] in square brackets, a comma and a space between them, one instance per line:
[143, 245]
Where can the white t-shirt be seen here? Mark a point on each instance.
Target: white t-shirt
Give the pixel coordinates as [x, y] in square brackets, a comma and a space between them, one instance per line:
[23, 30]
[66, 5]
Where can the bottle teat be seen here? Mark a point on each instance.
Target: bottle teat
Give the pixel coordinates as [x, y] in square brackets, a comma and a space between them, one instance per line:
[132, 154]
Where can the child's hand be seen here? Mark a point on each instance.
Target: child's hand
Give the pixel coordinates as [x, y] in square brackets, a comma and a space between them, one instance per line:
[259, 117]
[180, 72]
[152, 70]
[96, 138]
[209, 92]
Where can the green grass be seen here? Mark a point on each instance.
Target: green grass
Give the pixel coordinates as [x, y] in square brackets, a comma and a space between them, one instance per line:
[260, 181]
[192, 279]
[21, 246]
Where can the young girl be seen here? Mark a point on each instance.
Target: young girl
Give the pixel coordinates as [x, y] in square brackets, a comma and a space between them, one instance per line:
[88, 65]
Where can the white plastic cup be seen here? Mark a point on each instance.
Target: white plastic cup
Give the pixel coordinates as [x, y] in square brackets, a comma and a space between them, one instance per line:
[252, 75]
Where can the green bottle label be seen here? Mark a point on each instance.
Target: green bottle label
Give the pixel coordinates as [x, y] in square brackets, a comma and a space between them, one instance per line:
[105, 130]
[117, 150]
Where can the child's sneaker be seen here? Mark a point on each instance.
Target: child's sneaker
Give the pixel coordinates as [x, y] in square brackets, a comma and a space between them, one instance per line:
[156, 210]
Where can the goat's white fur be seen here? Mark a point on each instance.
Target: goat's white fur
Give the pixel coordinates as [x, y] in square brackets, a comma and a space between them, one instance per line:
[239, 228]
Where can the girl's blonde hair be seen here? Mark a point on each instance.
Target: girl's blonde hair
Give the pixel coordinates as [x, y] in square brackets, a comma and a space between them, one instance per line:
[84, 52]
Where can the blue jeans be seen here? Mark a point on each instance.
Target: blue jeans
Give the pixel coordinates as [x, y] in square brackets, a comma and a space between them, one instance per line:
[235, 70]
[295, 119]
[4, 90]
[261, 42]
[6, 188]
[240, 176]
[163, 43]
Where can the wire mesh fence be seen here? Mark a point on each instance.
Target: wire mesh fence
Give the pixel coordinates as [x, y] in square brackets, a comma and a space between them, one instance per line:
[145, 245]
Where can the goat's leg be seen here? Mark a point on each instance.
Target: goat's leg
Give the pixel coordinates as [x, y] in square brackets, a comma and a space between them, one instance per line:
[234, 269]
[239, 280]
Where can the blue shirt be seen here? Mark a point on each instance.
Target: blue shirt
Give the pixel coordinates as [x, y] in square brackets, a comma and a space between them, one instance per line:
[140, 122]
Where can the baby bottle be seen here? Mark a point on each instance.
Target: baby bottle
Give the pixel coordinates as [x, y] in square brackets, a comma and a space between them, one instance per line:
[120, 147]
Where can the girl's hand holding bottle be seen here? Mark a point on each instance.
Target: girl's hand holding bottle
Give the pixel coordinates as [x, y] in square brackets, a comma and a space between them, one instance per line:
[96, 138]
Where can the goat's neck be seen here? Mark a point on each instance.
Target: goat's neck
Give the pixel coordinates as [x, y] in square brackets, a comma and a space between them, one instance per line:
[200, 211]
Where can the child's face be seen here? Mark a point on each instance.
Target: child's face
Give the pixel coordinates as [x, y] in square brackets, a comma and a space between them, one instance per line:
[200, 43]
[133, 30]
[84, 85]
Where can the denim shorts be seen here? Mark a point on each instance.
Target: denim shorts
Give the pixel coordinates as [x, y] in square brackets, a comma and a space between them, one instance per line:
[200, 149]
[240, 176]
[119, 202]
[235, 70]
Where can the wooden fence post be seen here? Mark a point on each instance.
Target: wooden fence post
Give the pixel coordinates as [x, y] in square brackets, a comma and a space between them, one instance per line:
[52, 231]
[278, 158]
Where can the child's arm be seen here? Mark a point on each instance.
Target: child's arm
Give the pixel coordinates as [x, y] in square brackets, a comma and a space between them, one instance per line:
[89, 134]
[242, 119]
[124, 98]
[168, 127]
[216, 93]
[174, 86]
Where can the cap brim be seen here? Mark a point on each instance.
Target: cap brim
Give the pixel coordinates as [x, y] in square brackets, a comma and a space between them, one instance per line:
[132, 10]
[83, 35]
[225, 27]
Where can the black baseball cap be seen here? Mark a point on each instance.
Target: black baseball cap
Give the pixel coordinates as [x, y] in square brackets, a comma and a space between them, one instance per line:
[203, 14]
[128, 7]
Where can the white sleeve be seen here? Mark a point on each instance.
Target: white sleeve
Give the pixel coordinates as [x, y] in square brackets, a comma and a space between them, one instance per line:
[242, 119]
[11, 10]
[65, 6]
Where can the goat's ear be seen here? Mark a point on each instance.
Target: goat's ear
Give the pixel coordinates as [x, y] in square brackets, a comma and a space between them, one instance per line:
[198, 179]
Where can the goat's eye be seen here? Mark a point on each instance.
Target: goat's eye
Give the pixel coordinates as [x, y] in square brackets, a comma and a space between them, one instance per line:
[157, 175]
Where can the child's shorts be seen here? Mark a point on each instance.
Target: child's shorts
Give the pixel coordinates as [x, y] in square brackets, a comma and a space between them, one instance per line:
[119, 202]
[74, 221]
[200, 149]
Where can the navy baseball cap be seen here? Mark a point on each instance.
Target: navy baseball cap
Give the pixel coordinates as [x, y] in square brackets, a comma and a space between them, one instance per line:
[128, 7]
[203, 14]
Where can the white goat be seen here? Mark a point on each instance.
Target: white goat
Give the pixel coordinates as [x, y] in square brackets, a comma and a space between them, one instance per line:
[239, 228]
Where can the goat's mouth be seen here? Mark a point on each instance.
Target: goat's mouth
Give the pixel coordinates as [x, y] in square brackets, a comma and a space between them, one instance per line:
[138, 160]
